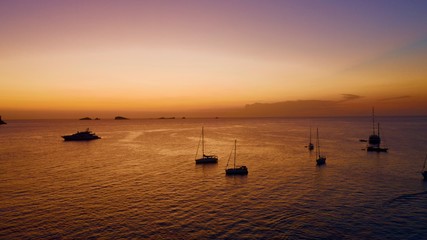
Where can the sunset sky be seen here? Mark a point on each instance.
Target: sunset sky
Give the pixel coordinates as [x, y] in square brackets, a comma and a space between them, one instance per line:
[78, 57]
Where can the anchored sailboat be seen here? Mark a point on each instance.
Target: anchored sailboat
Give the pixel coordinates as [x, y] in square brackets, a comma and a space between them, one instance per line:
[424, 170]
[374, 142]
[320, 160]
[204, 158]
[310, 144]
[242, 170]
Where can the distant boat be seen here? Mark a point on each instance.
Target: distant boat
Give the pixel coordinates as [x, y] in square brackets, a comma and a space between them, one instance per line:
[374, 141]
[424, 170]
[204, 158]
[1, 121]
[81, 136]
[85, 118]
[310, 144]
[320, 160]
[242, 170]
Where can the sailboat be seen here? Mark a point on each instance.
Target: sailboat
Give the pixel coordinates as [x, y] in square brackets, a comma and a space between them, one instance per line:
[374, 142]
[205, 158]
[242, 170]
[310, 144]
[424, 170]
[320, 160]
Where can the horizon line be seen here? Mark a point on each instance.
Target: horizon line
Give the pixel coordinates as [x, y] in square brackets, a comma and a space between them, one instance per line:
[219, 117]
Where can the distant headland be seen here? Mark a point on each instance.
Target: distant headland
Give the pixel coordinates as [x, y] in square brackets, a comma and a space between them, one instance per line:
[1, 121]
[120, 118]
[88, 118]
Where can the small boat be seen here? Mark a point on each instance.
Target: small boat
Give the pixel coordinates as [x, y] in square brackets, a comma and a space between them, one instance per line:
[320, 160]
[424, 170]
[81, 136]
[240, 170]
[1, 121]
[310, 144]
[374, 141]
[205, 158]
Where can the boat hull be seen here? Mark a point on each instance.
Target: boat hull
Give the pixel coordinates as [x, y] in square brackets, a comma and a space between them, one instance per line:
[237, 171]
[74, 138]
[376, 149]
[321, 161]
[208, 159]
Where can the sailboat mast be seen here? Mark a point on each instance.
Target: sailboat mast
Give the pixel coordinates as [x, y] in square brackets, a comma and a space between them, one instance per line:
[310, 134]
[424, 167]
[235, 149]
[203, 142]
[373, 122]
[317, 143]
[378, 129]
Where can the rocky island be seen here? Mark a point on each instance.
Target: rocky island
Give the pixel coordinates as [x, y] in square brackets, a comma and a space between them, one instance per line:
[1, 121]
[120, 118]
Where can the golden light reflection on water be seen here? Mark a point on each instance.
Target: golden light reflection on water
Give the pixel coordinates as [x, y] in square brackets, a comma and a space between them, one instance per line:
[140, 180]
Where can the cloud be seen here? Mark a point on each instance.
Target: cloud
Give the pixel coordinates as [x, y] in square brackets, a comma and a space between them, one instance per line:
[349, 97]
[301, 107]
[417, 46]
[395, 98]
[290, 108]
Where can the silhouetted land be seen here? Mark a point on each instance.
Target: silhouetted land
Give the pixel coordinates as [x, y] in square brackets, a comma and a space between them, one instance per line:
[120, 118]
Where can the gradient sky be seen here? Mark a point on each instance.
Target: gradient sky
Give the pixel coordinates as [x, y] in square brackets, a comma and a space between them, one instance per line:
[189, 55]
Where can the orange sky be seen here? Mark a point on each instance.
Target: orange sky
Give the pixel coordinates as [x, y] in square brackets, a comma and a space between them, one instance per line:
[184, 56]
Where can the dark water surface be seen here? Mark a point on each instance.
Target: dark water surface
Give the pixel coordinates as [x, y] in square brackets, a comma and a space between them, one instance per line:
[140, 180]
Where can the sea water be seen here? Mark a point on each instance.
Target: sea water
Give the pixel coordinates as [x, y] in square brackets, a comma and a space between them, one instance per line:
[140, 180]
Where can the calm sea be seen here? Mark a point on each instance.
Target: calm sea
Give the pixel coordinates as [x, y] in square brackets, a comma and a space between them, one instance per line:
[140, 180]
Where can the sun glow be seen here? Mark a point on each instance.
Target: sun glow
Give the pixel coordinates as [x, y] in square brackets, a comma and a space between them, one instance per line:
[155, 57]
